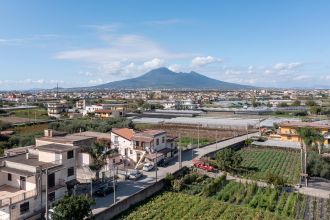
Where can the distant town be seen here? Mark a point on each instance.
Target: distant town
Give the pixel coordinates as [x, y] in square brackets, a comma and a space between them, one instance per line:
[120, 147]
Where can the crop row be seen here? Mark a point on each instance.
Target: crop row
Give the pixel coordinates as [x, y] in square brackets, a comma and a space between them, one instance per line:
[170, 205]
[264, 160]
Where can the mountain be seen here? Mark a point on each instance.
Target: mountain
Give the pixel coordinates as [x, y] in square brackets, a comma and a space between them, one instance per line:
[163, 78]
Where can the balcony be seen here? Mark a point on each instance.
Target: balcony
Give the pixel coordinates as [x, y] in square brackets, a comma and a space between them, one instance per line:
[10, 195]
[59, 184]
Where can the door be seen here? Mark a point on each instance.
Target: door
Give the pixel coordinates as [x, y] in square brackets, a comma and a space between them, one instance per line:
[51, 180]
[22, 182]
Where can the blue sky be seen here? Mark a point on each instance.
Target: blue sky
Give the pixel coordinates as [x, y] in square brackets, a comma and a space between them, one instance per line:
[79, 43]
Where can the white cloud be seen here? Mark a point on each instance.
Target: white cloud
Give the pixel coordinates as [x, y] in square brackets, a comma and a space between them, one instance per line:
[302, 78]
[122, 48]
[287, 66]
[202, 61]
[96, 81]
[175, 68]
[153, 64]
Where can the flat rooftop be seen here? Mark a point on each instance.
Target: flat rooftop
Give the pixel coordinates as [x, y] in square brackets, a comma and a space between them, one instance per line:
[7, 192]
[33, 161]
[57, 148]
[304, 124]
[98, 135]
[68, 139]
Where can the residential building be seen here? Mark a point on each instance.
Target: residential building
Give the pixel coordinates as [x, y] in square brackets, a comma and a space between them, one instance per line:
[118, 109]
[55, 109]
[81, 104]
[26, 177]
[136, 147]
[288, 130]
[91, 109]
[103, 113]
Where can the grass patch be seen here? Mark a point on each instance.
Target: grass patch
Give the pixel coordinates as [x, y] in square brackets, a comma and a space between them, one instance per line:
[36, 113]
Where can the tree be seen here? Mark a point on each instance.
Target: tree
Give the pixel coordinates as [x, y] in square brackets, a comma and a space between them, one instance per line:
[309, 137]
[228, 159]
[296, 103]
[275, 180]
[4, 125]
[283, 104]
[311, 103]
[73, 208]
[99, 156]
[315, 110]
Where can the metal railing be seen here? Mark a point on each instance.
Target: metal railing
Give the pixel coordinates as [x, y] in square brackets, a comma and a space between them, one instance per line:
[18, 198]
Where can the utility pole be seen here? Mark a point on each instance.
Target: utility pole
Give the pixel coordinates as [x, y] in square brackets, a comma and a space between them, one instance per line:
[180, 153]
[91, 187]
[46, 194]
[114, 186]
[216, 139]
[156, 166]
[247, 131]
[198, 135]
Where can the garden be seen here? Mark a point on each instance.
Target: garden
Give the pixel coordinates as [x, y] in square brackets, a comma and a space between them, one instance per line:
[262, 161]
[197, 196]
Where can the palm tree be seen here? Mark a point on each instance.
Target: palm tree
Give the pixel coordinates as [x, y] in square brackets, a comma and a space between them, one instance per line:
[309, 138]
[99, 156]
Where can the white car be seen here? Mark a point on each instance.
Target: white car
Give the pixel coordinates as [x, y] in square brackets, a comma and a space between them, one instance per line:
[148, 167]
[134, 175]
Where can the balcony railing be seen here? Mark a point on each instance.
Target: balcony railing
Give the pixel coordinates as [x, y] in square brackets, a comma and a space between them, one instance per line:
[18, 198]
[59, 184]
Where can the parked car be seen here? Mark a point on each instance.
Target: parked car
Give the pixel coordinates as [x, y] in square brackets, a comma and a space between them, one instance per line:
[50, 214]
[148, 167]
[104, 190]
[134, 175]
[163, 162]
[205, 167]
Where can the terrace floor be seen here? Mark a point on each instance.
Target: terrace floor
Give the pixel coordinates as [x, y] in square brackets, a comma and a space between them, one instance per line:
[9, 192]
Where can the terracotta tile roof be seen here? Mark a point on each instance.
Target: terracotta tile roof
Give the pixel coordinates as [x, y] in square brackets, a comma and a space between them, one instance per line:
[124, 132]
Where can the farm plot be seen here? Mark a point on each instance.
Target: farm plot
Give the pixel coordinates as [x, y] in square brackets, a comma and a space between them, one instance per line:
[170, 205]
[261, 161]
[267, 199]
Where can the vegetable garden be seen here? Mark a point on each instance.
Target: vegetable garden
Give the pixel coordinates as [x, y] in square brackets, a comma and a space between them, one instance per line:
[170, 205]
[195, 196]
[261, 161]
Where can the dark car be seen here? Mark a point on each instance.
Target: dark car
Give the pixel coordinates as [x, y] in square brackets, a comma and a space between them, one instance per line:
[104, 190]
[163, 162]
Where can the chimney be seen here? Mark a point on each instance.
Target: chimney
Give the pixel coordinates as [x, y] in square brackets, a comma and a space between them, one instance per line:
[27, 155]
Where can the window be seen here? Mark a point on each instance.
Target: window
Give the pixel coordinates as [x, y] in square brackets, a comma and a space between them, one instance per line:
[130, 151]
[113, 160]
[163, 139]
[137, 143]
[157, 141]
[51, 196]
[70, 171]
[24, 207]
[9, 176]
[70, 154]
